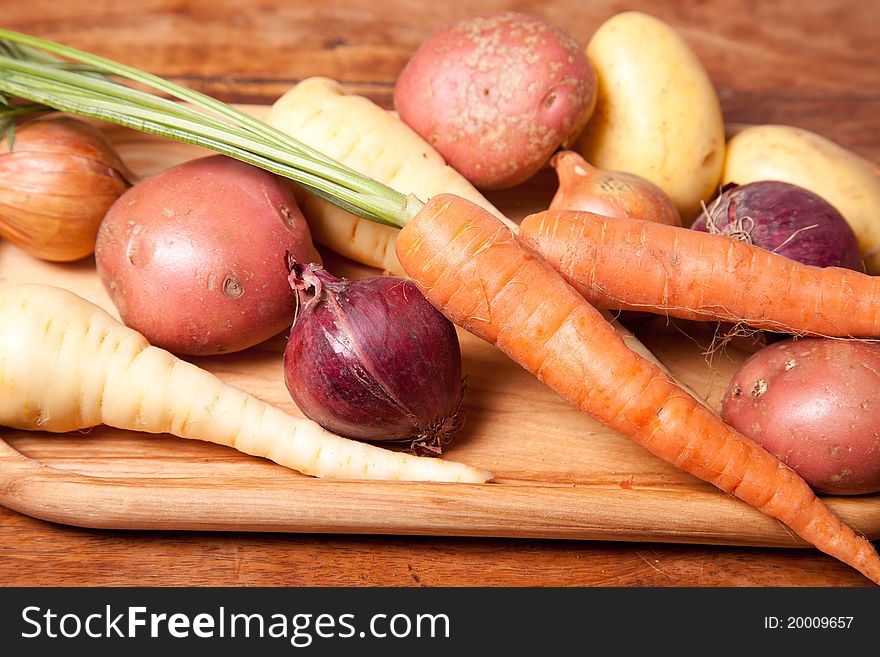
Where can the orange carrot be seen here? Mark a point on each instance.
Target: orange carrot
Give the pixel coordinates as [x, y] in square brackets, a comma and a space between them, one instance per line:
[483, 278]
[628, 264]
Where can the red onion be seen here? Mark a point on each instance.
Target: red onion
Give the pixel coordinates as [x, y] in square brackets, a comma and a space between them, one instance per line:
[784, 218]
[371, 359]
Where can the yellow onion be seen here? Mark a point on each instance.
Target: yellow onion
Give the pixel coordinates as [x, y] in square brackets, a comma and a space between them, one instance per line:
[57, 182]
[609, 193]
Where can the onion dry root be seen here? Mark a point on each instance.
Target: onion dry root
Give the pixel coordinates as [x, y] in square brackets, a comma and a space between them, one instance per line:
[786, 219]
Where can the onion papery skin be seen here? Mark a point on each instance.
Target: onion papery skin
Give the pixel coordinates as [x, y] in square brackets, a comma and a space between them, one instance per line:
[584, 187]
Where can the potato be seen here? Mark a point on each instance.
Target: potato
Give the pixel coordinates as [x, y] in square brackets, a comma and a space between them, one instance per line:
[815, 404]
[801, 157]
[496, 95]
[194, 256]
[657, 114]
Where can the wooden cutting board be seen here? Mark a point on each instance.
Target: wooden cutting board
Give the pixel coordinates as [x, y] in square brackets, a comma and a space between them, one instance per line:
[558, 473]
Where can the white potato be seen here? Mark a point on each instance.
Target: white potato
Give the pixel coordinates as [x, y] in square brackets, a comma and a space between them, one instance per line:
[657, 114]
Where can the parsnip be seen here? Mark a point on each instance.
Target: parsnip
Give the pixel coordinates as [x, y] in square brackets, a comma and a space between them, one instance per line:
[66, 364]
[355, 131]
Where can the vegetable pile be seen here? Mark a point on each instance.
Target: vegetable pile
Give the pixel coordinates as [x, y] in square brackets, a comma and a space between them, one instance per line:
[378, 359]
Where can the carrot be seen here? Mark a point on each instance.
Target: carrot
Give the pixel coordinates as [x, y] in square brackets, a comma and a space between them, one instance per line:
[628, 264]
[66, 364]
[483, 278]
[356, 132]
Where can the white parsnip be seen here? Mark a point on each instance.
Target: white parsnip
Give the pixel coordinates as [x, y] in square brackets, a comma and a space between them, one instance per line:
[355, 131]
[66, 364]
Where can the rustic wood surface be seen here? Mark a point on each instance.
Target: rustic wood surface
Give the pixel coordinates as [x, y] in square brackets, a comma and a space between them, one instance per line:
[772, 62]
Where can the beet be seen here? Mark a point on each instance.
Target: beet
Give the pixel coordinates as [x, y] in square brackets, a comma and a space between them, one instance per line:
[784, 218]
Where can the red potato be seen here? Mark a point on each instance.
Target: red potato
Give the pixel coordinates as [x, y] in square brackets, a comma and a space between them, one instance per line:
[813, 403]
[194, 257]
[496, 95]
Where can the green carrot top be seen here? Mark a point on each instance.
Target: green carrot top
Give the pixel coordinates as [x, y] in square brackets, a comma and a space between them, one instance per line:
[66, 79]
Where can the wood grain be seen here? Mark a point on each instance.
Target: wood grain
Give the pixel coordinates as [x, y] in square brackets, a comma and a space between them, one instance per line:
[768, 66]
[35, 553]
[771, 61]
[178, 496]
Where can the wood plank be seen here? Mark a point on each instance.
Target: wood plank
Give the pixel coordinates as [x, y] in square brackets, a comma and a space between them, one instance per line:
[36, 553]
[241, 502]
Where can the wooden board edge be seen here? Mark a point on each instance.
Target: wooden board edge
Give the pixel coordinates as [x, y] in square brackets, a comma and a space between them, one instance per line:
[396, 508]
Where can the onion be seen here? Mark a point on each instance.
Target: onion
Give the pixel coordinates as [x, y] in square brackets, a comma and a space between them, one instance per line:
[57, 181]
[609, 193]
[784, 218]
[371, 359]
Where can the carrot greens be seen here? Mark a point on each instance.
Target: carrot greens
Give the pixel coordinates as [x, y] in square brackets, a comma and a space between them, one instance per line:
[81, 84]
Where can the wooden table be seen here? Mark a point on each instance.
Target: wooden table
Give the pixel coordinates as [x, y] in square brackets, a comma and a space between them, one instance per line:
[812, 66]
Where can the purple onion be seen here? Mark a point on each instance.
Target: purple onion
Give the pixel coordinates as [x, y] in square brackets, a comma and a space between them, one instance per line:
[784, 218]
[371, 359]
